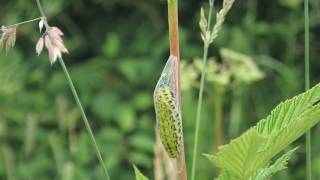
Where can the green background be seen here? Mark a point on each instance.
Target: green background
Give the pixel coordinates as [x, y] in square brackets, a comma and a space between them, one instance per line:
[117, 51]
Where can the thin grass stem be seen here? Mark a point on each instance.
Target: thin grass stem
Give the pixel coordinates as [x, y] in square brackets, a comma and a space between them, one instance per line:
[199, 106]
[198, 116]
[84, 117]
[77, 99]
[24, 22]
[218, 117]
[307, 84]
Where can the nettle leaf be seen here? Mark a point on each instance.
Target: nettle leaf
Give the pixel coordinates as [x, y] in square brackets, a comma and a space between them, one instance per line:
[139, 175]
[290, 119]
[210, 157]
[278, 165]
[250, 154]
[226, 175]
[241, 158]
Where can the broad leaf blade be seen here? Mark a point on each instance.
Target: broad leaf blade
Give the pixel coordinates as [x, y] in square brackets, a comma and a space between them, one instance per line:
[139, 175]
[241, 157]
[287, 111]
[254, 149]
[278, 165]
[292, 131]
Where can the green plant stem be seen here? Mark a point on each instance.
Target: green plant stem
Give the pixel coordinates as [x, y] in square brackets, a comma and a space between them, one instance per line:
[175, 51]
[42, 14]
[24, 22]
[9, 163]
[236, 111]
[76, 97]
[198, 116]
[173, 28]
[307, 84]
[84, 117]
[218, 115]
[211, 3]
[200, 97]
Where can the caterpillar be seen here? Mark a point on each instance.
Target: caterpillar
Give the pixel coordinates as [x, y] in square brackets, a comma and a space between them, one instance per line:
[168, 116]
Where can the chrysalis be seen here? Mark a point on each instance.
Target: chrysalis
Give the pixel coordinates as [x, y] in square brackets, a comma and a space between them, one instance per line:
[167, 110]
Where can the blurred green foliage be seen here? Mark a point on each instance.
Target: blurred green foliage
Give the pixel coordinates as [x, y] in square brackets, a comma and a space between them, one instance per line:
[118, 49]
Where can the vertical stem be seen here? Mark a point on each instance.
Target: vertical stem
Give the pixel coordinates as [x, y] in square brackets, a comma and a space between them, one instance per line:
[236, 111]
[84, 117]
[198, 117]
[218, 97]
[199, 106]
[174, 50]
[157, 162]
[8, 162]
[307, 83]
[173, 28]
[42, 14]
[306, 38]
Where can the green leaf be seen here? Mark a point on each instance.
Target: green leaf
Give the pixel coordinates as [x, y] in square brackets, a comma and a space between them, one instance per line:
[111, 46]
[253, 150]
[289, 120]
[141, 141]
[140, 158]
[241, 158]
[210, 157]
[139, 175]
[225, 175]
[125, 117]
[103, 105]
[278, 165]
[293, 4]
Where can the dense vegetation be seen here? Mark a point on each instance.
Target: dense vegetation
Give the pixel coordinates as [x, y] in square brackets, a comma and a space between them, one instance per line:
[116, 50]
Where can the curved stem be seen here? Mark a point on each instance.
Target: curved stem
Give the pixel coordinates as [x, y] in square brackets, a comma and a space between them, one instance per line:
[24, 22]
[77, 99]
[307, 84]
[84, 117]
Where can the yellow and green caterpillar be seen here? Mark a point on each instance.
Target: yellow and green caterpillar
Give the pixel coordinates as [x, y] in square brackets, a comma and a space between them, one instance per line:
[167, 111]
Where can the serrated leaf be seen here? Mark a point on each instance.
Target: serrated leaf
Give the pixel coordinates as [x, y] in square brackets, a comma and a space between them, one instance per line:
[210, 157]
[278, 165]
[241, 158]
[225, 175]
[253, 150]
[139, 175]
[289, 120]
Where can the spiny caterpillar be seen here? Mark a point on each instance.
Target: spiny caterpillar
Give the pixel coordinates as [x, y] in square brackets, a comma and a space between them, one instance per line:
[167, 111]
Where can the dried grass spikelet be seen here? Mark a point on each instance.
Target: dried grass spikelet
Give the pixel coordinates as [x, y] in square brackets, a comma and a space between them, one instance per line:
[221, 15]
[8, 38]
[167, 110]
[209, 36]
[52, 40]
